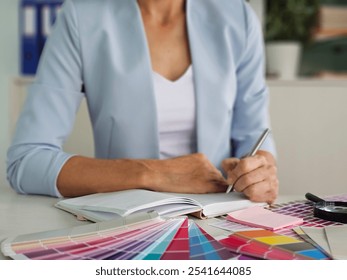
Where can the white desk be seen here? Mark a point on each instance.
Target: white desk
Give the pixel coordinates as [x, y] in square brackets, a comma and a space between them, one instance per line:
[21, 214]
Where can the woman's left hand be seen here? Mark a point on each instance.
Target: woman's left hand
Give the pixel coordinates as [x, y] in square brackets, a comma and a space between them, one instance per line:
[255, 176]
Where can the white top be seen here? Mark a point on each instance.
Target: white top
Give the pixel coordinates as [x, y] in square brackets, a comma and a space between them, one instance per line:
[176, 114]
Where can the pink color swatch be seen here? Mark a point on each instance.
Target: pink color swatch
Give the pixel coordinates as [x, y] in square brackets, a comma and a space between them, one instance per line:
[259, 217]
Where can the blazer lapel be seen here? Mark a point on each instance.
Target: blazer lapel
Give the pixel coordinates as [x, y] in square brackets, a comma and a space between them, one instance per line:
[135, 123]
[211, 72]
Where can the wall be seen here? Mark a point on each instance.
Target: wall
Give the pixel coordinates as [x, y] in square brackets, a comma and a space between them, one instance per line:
[259, 8]
[8, 68]
[309, 126]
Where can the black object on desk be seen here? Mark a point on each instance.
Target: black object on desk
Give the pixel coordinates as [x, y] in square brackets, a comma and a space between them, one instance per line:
[328, 210]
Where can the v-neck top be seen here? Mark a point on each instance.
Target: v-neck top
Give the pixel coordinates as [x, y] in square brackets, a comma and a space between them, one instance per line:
[109, 55]
[176, 114]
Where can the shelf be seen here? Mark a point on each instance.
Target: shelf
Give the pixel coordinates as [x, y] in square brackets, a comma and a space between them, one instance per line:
[307, 83]
[23, 80]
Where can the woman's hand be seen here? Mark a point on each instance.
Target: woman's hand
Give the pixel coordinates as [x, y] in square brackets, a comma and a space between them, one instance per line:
[255, 176]
[186, 174]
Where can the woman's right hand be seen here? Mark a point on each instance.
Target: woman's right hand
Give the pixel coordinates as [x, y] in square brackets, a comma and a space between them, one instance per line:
[186, 174]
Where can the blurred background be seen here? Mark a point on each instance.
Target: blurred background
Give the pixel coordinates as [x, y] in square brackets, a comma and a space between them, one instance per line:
[306, 68]
[9, 67]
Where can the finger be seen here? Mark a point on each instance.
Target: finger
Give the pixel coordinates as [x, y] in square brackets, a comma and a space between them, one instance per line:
[265, 191]
[260, 174]
[219, 186]
[215, 180]
[229, 164]
[214, 184]
[248, 164]
[245, 166]
[249, 179]
[269, 157]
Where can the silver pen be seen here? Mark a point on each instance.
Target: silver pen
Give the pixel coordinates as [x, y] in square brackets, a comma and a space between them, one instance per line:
[253, 151]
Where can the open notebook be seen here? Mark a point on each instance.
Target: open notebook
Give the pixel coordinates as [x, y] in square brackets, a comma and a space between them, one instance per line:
[106, 206]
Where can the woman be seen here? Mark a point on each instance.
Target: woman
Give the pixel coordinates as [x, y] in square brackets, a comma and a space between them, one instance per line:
[175, 91]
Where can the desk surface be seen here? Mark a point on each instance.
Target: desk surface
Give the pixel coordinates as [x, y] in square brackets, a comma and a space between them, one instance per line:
[21, 214]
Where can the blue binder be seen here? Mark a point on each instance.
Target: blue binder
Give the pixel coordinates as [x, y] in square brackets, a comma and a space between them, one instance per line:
[55, 9]
[36, 20]
[49, 12]
[29, 32]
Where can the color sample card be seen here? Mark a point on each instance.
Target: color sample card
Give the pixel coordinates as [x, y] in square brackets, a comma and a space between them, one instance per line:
[178, 249]
[205, 247]
[316, 236]
[157, 249]
[119, 243]
[330, 239]
[300, 209]
[124, 242]
[267, 244]
[153, 239]
[337, 241]
[262, 218]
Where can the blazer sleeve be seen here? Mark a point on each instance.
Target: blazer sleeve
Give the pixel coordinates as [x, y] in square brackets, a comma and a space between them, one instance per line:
[250, 112]
[35, 156]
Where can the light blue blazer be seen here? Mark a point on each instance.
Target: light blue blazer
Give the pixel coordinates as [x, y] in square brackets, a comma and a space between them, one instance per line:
[101, 44]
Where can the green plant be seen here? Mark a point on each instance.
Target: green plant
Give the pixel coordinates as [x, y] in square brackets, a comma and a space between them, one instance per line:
[290, 20]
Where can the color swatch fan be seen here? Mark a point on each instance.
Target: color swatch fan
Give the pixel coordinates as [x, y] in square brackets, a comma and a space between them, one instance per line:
[144, 236]
[107, 240]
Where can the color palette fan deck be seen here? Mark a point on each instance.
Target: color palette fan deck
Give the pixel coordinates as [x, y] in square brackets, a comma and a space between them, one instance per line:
[142, 238]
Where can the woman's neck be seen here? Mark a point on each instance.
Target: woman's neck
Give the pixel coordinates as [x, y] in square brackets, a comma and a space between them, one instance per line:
[163, 11]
